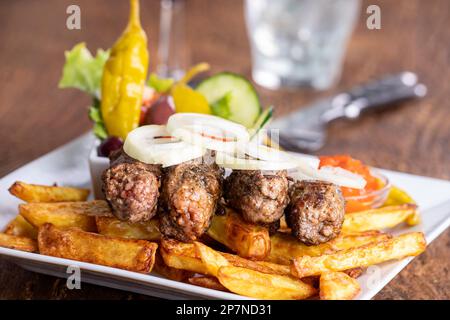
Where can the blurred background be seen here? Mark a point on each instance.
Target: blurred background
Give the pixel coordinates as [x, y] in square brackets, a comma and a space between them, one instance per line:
[36, 116]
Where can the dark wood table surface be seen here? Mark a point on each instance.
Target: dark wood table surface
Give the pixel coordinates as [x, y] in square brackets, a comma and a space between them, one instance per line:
[36, 116]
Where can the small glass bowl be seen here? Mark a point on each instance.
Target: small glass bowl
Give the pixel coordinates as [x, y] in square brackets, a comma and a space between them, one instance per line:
[370, 200]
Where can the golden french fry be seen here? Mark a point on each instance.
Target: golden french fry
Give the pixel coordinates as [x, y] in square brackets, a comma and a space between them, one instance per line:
[260, 285]
[168, 272]
[39, 193]
[285, 247]
[185, 256]
[21, 227]
[75, 244]
[377, 219]
[338, 286]
[207, 282]
[410, 244]
[212, 260]
[260, 266]
[110, 226]
[18, 243]
[246, 239]
[65, 214]
[181, 255]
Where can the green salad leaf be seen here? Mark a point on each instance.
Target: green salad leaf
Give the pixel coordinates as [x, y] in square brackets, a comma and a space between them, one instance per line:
[96, 116]
[221, 107]
[82, 70]
[161, 85]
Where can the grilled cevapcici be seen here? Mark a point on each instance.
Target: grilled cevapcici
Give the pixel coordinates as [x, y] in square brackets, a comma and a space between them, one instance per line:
[260, 196]
[190, 194]
[177, 171]
[131, 187]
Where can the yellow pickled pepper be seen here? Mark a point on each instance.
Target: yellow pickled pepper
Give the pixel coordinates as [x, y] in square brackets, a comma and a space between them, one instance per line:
[124, 77]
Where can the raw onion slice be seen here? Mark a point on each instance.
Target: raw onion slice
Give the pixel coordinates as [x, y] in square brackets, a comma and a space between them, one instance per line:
[152, 144]
[208, 132]
[231, 162]
[336, 175]
[262, 152]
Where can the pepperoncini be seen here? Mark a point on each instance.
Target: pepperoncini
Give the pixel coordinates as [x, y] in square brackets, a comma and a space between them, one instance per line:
[124, 76]
[187, 99]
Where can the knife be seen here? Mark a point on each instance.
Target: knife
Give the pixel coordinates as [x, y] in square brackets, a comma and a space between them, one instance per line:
[305, 130]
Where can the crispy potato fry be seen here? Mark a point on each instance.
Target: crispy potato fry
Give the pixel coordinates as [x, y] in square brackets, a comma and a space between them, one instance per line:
[185, 256]
[212, 260]
[246, 239]
[377, 219]
[286, 247]
[260, 285]
[410, 244]
[21, 227]
[261, 266]
[207, 282]
[168, 272]
[338, 286]
[75, 244]
[18, 243]
[65, 214]
[110, 226]
[39, 193]
[181, 255]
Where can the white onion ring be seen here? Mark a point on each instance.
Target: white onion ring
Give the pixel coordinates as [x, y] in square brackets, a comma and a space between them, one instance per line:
[152, 144]
[231, 162]
[208, 132]
[336, 175]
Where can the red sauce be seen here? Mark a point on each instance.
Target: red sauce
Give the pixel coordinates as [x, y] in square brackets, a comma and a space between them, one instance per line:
[355, 166]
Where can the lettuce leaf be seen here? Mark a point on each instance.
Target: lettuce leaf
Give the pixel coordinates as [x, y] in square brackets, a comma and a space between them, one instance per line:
[96, 116]
[82, 70]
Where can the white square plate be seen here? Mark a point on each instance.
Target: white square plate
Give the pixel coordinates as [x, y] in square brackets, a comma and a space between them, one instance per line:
[68, 165]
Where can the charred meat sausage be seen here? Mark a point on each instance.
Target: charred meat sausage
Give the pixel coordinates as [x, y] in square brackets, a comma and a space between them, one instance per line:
[189, 196]
[315, 212]
[131, 187]
[259, 196]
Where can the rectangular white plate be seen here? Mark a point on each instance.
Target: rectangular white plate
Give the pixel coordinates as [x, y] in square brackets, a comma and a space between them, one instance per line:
[68, 165]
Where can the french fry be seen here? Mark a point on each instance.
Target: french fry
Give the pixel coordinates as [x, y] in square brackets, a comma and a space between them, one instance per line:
[246, 239]
[110, 226]
[18, 243]
[186, 256]
[338, 286]
[207, 282]
[285, 247]
[377, 219]
[261, 266]
[410, 244]
[65, 214]
[260, 285]
[211, 259]
[168, 272]
[20, 227]
[75, 244]
[181, 255]
[39, 193]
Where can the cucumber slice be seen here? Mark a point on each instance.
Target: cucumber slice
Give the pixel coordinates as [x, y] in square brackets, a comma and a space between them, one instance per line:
[236, 94]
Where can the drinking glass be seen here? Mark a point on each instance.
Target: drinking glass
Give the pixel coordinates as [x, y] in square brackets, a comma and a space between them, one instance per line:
[172, 47]
[299, 42]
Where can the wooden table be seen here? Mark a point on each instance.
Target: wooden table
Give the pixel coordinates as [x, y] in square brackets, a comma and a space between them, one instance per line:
[36, 116]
